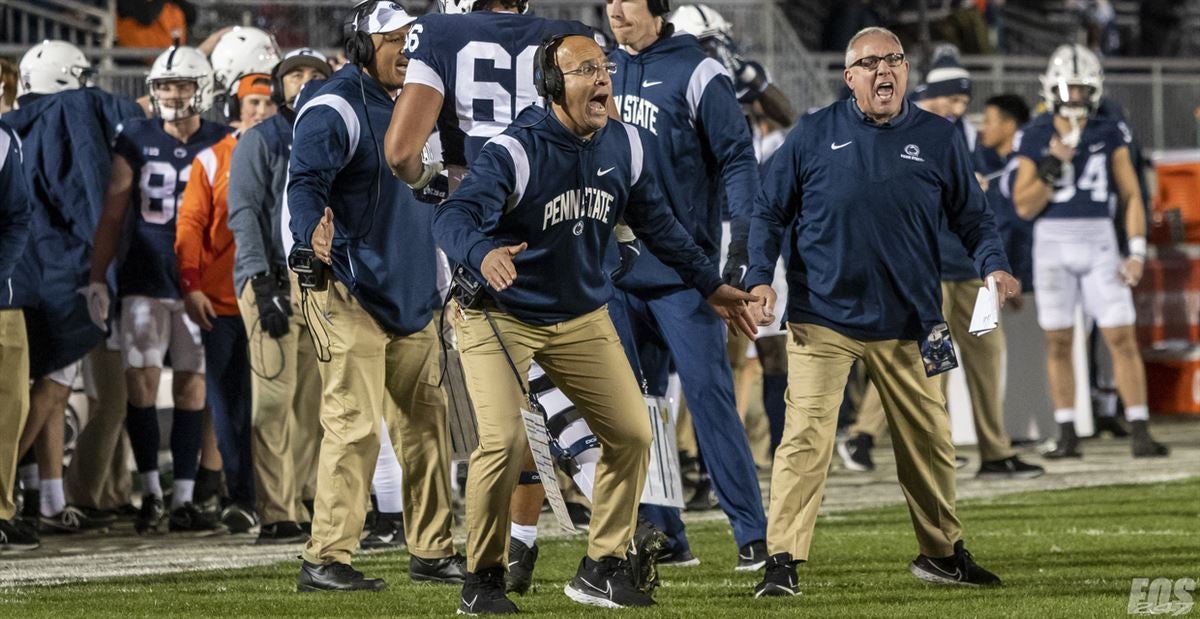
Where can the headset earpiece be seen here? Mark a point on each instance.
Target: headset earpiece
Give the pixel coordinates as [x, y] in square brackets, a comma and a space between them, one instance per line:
[360, 49]
[547, 77]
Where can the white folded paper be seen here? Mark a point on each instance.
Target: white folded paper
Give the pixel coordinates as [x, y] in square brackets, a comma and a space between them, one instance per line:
[987, 310]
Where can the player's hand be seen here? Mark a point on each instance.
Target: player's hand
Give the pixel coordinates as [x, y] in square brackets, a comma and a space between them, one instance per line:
[1131, 271]
[498, 268]
[1007, 286]
[199, 309]
[322, 237]
[733, 306]
[765, 308]
[1060, 150]
[96, 294]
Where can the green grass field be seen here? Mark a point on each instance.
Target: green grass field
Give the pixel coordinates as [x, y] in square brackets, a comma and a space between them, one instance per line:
[1061, 553]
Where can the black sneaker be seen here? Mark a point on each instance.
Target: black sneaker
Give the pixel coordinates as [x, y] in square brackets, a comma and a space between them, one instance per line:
[1011, 467]
[1143, 445]
[703, 499]
[335, 577]
[581, 516]
[388, 532]
[606, 583]
[752, 556]
[283, 532]
[16, 536]
[31, 501]
[780, 578]
[238, 519]
[150, 515]
[483, 594]
[521, 560]
[957, 569]
[69, 520]
[679, 557]
[189, 518]
[648, 544]
[450, 570]
[1067, 445]
[101, 516]
[1112, 425]
[856, 452]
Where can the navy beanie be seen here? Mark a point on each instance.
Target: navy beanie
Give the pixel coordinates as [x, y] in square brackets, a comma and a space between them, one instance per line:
[946, 77]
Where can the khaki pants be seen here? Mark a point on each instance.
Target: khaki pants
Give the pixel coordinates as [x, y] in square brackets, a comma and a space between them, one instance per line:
[584, 358]
[819, 361]
[285, 417]
[980, 358]
[367, 366]
[99, 476]
[14, 402]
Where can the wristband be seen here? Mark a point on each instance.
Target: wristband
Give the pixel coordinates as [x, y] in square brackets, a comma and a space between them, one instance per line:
[427, 174]
[1137, 247]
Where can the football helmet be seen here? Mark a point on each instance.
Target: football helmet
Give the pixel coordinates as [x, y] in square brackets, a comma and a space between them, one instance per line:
[52, 66]
[1072, 65]
[240, 52]
[702, 21]
[456, 7]
[182, 63]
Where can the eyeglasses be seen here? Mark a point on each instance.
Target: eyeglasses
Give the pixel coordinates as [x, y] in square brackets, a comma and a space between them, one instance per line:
[870, 62]
[590, 70]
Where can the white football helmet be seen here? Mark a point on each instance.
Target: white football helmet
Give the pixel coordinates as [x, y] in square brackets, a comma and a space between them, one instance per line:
[52, 66]
[456, 7]
[1072, 65]
[702, 21]
[243, 51]
[182, 63]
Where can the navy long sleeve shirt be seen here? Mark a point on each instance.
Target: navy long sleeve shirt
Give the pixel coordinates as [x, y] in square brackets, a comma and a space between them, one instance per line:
[864, 201]
[14, 211]
[382, 248]
[540, 184]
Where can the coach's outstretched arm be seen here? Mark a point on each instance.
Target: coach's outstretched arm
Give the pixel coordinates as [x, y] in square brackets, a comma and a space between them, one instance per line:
[320, 149]
[775, 208]
[460, 222]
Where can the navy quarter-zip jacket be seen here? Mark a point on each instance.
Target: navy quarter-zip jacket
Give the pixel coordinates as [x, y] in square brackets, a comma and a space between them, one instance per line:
[541, 184]
[382, 248]
[697, 144]
[864, 201]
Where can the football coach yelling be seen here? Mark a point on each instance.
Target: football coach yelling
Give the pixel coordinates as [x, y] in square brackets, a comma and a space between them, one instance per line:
[533, 220]
[863, 184]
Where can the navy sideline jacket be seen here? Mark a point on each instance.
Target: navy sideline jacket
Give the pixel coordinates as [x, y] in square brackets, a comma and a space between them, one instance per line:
[540, 183]
[14, 212]
[864, 201]
[696, 138]
[382, 248]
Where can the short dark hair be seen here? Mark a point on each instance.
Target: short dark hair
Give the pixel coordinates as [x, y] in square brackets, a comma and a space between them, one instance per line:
[1012, 106]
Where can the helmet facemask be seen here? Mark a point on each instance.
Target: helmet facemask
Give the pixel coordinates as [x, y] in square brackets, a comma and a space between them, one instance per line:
[191, 105]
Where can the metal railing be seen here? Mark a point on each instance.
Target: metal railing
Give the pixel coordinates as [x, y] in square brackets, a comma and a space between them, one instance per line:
[68, 20]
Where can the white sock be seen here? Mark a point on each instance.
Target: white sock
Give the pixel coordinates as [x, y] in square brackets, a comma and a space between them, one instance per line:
[29, 477]
[1137, 413]
[183, 492]
[526, 533]
[150, 483]
[53, 500]
[1064, 415]
[388, 481]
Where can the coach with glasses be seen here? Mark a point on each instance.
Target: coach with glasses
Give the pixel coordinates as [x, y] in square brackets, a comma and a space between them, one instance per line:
[864, 184]
[532, 220]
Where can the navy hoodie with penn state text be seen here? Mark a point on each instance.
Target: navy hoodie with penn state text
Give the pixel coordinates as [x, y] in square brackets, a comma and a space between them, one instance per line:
[539, 183]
